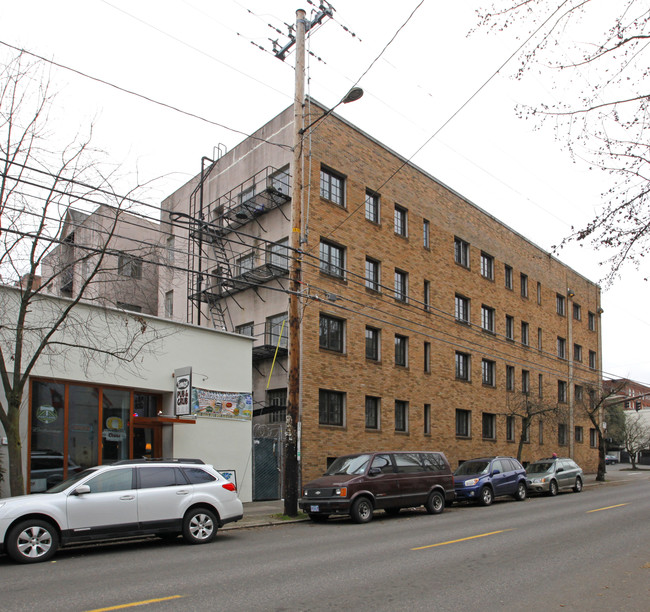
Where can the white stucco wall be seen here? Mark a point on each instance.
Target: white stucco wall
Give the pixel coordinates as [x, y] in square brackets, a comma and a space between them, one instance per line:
[220, 361]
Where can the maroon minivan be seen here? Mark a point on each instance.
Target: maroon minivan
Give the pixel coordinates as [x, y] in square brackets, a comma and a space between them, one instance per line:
[387, 480]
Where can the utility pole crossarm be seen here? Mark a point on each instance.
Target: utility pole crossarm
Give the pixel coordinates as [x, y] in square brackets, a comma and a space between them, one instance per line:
[325, 10]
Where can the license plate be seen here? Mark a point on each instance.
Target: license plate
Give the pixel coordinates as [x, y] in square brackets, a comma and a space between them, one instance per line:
[314, 508]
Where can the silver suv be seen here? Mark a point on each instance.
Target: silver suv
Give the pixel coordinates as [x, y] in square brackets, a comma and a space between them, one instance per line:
[136, 497]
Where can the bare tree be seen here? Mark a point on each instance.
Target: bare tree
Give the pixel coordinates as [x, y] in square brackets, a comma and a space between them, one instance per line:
[38, 188]
[596, 56]
[526, 408]
[635, 436]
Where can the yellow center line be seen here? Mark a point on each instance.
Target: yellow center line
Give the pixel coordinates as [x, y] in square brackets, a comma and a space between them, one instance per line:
[481, 535]
[607, 508]
[137, 603]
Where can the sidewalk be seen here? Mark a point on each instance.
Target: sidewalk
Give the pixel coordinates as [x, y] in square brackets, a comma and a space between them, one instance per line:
[264, 513]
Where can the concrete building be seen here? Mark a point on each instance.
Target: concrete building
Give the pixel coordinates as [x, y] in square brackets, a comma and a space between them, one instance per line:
[424, 320]
[108, 389]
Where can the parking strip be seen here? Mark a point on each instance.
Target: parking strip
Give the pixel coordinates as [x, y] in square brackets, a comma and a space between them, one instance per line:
[474, 537]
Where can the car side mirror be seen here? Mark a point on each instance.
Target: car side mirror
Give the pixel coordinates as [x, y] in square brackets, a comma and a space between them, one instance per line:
[373, 471]
[560, 469]
[495, 472]
[81, 490]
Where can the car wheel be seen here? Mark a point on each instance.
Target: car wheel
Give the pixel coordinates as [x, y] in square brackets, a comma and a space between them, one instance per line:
[485, 497]
[392, 511]
[32, 541]
[520, 494]
[319, 518]
[578, 485]
[436, 503]
[199, 526]
[361, 511]
[552, 488]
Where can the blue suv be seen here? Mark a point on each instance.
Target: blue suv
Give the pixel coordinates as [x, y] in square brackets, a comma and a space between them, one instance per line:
[483, 479]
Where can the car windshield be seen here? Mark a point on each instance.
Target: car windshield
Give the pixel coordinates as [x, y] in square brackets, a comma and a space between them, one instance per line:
[540, 467]
[472, 467]
[353, 464]
[62, 486]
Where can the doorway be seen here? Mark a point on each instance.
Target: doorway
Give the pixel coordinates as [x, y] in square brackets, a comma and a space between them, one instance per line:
[147, 440]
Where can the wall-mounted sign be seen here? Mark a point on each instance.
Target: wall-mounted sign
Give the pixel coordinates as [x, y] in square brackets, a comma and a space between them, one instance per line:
[222, 405]
[182, 391]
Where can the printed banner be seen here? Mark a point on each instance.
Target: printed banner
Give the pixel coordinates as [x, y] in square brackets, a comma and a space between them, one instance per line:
[221, 405]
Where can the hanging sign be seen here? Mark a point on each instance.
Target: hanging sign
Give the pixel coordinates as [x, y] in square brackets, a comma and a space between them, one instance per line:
[182, 391]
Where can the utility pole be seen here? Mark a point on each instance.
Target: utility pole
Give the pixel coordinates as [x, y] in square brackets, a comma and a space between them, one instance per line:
[291, 471]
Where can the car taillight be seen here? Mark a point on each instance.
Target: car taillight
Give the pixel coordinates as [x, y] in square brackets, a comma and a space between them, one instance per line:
[229, 486]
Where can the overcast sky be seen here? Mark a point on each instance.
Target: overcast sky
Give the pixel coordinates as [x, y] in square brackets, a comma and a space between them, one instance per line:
[203, 57]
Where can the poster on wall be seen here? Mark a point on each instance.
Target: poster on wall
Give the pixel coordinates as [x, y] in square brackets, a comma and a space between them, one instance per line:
[222, 405]
[182, 391]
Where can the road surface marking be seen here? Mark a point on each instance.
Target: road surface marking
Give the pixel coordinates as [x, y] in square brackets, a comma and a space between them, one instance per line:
[481, 535]
[606, 508]
[137, 603]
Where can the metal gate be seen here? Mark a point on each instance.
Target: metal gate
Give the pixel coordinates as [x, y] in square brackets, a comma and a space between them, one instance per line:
[267, 462]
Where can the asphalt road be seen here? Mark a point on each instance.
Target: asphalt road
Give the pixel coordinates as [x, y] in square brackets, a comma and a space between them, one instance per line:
[587, 551]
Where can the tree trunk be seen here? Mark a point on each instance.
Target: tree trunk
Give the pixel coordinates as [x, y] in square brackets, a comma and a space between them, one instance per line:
[602, 469]
[14, 448]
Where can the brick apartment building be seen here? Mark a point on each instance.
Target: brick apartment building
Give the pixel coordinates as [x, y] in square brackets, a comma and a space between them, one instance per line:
[424, 319]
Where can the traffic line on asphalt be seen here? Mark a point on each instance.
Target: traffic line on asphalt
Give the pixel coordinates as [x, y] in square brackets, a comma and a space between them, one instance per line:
[606, 508]
[137, 603]
[474, 537]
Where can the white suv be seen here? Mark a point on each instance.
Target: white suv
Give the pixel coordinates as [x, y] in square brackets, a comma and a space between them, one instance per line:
[165, 497]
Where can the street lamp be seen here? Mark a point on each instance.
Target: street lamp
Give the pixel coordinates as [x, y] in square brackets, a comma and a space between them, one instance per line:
[352, 96]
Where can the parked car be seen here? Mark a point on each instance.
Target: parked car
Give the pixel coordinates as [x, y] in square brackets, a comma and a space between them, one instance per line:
[165, 497]
[554, 474]
[611, 459]
[361, 483]
[485, 478]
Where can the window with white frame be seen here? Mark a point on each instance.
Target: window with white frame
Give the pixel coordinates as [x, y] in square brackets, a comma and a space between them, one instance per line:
[426, 240]
[373, 274]
[487, 266]
[591, 321]
[510, 428]
[331, 407]
[562, 438]
[331, 330]
[510, 378]
[592, 360]
[561, 391]
[525, 329]
[577, 352]
[427, 357]
[372, 412]
[523, 282]
[461, 252]
[426, 295]
[279, 254]
[245, 329]
[128, 265]
[508, 277]
[427, 419]
[401, 285]
[510, 327]
[401, 415]
[401, 350]
[277, 330]
[462, 309]
[577, 312]
[561, 347]
[169, 304]
[489, 426]
[488, 368]
[401, 217]
[372, 343]
[560, 304]
[332, 259]
[463, 423]
[487, 318]
[525, 381]
[462, 366]
[332, 186]
[372, 206]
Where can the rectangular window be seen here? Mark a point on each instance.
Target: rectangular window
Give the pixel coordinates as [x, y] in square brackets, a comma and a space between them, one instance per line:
[169, 304]
[560, 304]
[562, 434]
[278, 255]
[593, 437]
[510, 428]
[561, 391]
[401, 416]
[592, 360]
[246, 329]
[427, 357]
[523, 281]
[170, 247]
[540, 385]
[461, 252]
[578, 434]
[426, 227]
[372, 206]
[561, 348]
[539, 338]
[277, 330]
[525, 381]
[331, 333]
[487, 266]
[508, 277]
[488, 369]
[332, 259]
[331, 407]
[578, 392]
[426, 295]
[246, 264]
[577, 352]
[128, 265]
[401, 350]
[577, 312]
[541, 432]
[487, 318]
[525, 431]
[592, 321]
[462, 309]
[525, 340]
[489, 426]
[510, 327]
[462, 366]
[373, 274]
[463, 423]
[539, 293]
[401, 285]
[372, 412]
[427, 419]
[332, 186]
[372, 343]
[401, 228]
[510, 378]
